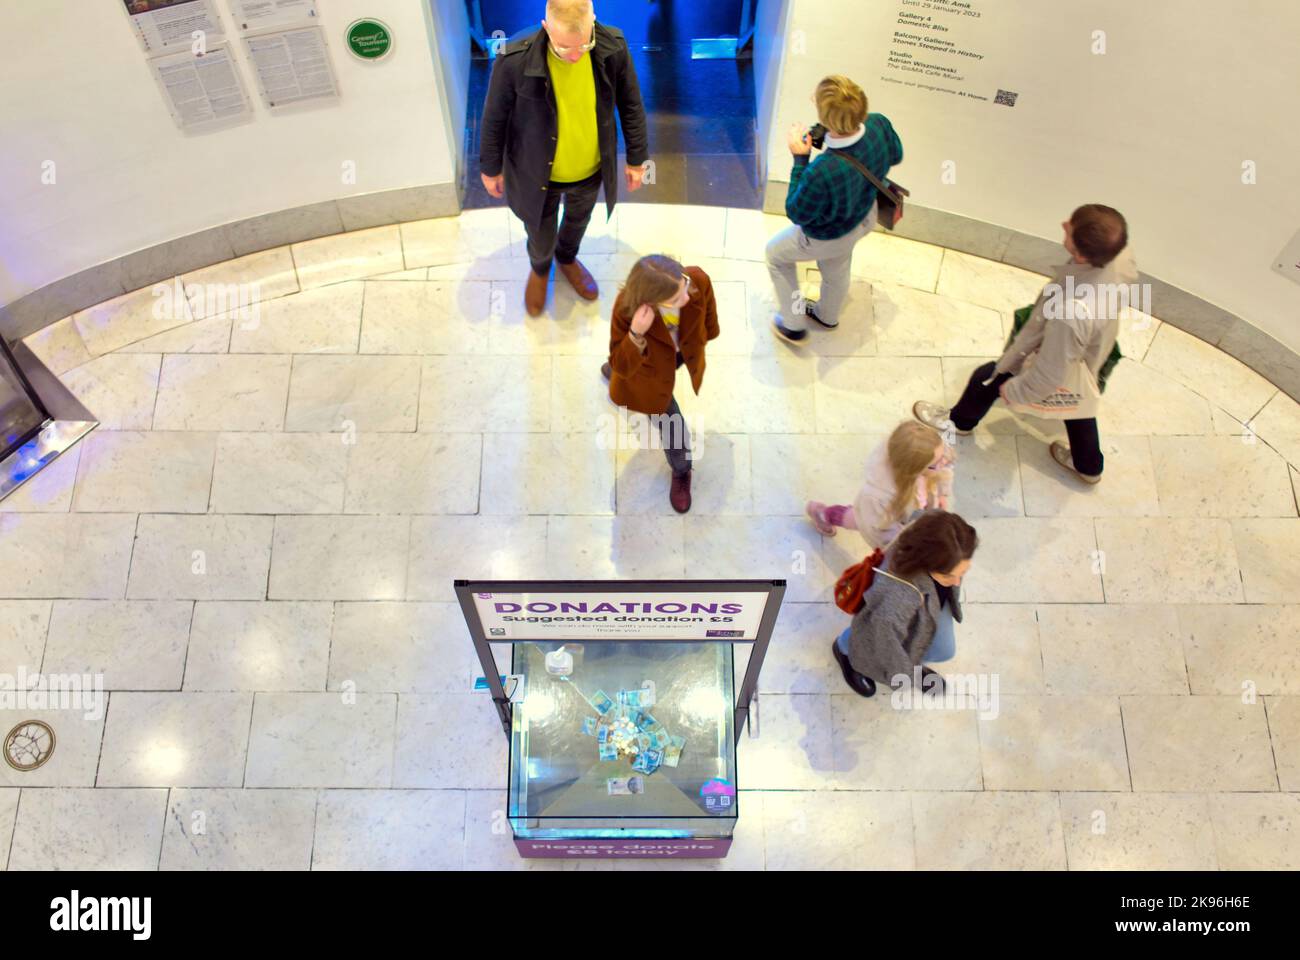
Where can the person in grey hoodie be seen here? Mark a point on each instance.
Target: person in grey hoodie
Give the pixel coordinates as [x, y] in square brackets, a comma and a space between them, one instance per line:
[909, 610]
[1050, 369]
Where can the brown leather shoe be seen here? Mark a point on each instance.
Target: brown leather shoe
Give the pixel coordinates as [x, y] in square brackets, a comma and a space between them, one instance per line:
[580, 279]
[680, 493]
[535, 293]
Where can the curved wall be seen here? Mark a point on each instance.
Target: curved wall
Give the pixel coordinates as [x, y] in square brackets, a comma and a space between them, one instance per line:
[79, 93]
[136, 201]
[1159, 125]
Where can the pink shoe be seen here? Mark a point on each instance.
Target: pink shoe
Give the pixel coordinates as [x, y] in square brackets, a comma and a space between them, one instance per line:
[817, 514]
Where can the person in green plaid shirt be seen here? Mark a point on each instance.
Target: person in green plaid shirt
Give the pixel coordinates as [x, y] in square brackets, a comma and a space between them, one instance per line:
[832, 205]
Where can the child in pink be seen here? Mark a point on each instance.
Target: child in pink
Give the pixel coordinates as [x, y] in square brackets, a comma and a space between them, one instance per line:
[911, 470]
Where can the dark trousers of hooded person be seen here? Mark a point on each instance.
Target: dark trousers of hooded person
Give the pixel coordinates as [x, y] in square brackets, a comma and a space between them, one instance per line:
[979, 397]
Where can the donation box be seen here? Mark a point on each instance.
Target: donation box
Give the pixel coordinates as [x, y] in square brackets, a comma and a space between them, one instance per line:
[622, 708]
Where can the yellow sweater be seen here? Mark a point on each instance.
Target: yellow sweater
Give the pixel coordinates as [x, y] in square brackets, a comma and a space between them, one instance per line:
[577, 151]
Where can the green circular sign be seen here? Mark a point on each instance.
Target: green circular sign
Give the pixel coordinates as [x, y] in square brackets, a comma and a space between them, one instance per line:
[369, 39]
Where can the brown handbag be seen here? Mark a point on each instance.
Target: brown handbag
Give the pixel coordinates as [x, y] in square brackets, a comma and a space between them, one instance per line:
[855, 581]
[889, 195]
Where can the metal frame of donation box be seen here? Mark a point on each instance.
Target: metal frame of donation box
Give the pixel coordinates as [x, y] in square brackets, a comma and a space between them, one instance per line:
[772, 592]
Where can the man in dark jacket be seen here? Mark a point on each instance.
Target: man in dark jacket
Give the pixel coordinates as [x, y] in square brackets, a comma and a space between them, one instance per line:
[548, 134]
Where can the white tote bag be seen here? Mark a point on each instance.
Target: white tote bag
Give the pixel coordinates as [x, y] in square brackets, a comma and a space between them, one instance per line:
[1078, 398]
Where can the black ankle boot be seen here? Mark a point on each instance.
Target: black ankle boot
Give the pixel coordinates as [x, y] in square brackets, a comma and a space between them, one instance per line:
[931, 681]
[859, 683]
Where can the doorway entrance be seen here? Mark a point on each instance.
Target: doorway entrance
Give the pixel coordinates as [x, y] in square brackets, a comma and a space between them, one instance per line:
[697, 82]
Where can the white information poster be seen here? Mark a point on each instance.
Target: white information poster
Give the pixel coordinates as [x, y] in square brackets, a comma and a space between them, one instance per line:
[942, 46]
[560, 617]
[292, 66]
[168, 25]
[251, 16]
[202, 90]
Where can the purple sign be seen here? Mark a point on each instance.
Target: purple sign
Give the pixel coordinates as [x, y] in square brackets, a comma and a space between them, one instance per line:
[607, 606]
[626, 848]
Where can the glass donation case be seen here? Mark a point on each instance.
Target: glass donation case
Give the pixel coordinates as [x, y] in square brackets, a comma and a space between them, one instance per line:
[622, 709]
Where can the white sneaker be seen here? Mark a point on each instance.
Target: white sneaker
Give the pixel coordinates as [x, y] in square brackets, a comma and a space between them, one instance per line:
[936, 416]
[1061, 454]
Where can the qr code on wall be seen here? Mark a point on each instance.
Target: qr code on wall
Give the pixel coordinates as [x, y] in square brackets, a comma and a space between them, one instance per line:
[1006, 98]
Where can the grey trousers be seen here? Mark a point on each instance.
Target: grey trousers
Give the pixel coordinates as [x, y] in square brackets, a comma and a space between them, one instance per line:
[676, 439]
[834, 259]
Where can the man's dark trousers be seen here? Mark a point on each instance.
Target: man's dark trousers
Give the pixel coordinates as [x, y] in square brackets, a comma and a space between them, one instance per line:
[1085, 444]
[543, 240]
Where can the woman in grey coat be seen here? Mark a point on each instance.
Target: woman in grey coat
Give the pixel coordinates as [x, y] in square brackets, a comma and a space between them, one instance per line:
[908, 611]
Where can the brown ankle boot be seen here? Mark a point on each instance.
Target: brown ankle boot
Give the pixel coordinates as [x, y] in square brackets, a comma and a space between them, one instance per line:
[580, 278]
[535, 293]
[679, 495]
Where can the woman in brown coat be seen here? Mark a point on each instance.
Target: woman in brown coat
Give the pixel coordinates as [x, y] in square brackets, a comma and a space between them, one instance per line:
[663, 317]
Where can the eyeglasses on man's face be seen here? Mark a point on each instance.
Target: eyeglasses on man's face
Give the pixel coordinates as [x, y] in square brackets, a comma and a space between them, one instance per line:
[565, 51]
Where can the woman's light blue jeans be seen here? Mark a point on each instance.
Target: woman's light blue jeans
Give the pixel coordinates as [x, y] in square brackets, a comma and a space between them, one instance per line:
[944, 646]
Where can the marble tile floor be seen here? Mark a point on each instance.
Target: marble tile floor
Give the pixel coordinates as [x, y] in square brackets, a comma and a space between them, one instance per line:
[256, 551]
